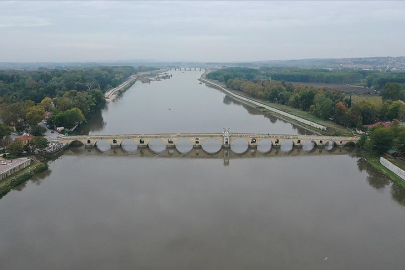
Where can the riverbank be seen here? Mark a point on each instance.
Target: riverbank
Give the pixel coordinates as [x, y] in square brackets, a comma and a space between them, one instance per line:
[375, 162]
[114, 93]
[21, 176]
[291, 115]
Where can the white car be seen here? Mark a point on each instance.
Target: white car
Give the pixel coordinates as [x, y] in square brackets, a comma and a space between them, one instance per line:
[3, 163]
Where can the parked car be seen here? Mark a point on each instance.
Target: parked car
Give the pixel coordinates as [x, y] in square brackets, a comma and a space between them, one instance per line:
[3, 163]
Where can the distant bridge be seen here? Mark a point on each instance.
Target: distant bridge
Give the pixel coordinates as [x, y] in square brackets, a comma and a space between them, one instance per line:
[197, 139]
[187, 68]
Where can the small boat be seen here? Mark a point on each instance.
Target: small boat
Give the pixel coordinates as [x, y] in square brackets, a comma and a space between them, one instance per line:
[200, 82]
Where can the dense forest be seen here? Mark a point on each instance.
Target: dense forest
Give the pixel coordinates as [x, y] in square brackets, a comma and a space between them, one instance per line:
[325, 103]
[71, 96]
[367, 78]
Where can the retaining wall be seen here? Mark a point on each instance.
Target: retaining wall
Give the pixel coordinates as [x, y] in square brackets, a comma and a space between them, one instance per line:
[393, 168]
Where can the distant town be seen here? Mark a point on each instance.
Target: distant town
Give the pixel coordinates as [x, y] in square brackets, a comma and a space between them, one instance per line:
[384, 64]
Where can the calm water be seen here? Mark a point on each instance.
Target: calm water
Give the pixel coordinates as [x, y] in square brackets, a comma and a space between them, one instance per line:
[133, 209]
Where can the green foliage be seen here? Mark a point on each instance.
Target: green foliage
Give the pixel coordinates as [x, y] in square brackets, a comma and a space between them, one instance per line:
[67, 119]
[39, 143]
[381, 139]
[4, 130]
[396, 111]
[225, 74]
[15, 148]
[34, 115]
[391, 91]
[41, 167]
[361, 143]
[37, 130]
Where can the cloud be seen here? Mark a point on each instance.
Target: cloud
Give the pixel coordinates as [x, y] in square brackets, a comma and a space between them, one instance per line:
[204, 31]
[23, 21]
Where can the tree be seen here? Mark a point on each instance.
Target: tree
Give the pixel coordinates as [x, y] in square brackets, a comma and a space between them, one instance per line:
[381, 139]
[34, 115]
[391, 91]
[12, 113]
[400, 142]
[340, 114]
[4, 130]
[39, 143]
[47, 104]
[67, 119]
[37, 130]
[396, 110]
[15, 148]
[362, 141]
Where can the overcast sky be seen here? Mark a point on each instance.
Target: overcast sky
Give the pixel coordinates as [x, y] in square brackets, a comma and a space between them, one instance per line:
[199, 31]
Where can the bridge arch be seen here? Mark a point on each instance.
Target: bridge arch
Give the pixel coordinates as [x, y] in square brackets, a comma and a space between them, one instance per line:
[212, 145]
[239, 145]
[329, 145]
[184, 146]
[129, 145]
[76, 143]
[287, 145]
[102, 145]
[156, 145]
[264, 146]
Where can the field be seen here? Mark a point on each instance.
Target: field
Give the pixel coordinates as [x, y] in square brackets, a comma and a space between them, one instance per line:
[359, 98]
[341, 87]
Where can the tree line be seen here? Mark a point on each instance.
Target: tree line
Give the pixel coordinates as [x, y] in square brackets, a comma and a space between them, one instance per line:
[70, 96]
[367, 78]
[325, 103]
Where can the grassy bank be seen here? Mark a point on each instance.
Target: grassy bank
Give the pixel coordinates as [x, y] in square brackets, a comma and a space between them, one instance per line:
[332, 129]
[375, 162]
[20, 177]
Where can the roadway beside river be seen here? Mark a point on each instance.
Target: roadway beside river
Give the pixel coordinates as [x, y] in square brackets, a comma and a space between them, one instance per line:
[292, 115]
[112, 94]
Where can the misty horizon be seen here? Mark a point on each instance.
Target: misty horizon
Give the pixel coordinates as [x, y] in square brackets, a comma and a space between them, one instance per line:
[191, 31]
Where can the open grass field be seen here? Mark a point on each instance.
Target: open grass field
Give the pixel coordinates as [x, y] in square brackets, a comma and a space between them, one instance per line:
[359, 98]
[341, 87]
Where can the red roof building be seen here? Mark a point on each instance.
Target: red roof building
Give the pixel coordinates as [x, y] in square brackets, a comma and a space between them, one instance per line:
[385, 124]
[25, 139]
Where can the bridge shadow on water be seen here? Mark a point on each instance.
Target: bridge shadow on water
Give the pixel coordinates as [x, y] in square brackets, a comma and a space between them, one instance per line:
[224, 153]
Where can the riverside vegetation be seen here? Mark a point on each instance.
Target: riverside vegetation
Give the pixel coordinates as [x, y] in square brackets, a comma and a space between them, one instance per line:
[324, 103]
[70, 97]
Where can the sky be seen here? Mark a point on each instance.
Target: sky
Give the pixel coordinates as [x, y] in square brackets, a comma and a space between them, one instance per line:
[203, 31]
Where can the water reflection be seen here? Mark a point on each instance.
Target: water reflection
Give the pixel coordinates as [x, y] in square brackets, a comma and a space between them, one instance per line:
[378, 180]
[375, 178]
[96, 123]
[257, 111]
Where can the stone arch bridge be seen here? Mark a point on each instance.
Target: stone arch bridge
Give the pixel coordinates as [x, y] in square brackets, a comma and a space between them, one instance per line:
[197, 139]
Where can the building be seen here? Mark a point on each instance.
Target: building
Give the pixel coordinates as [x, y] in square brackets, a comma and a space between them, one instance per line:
[385, 124]
[25, 139]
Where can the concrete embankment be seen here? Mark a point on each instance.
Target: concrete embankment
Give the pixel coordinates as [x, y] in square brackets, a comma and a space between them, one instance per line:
[393, 168]
[112, 94]
[260, 104]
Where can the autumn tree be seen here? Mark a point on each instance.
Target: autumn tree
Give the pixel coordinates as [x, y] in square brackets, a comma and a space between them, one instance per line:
[341, 114]
[47, 104]
[35, 115]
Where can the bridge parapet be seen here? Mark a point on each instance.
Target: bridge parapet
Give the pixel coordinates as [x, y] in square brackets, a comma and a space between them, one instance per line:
[197, 139]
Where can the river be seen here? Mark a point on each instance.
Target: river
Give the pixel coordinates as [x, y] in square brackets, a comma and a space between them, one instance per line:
[132, 208]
